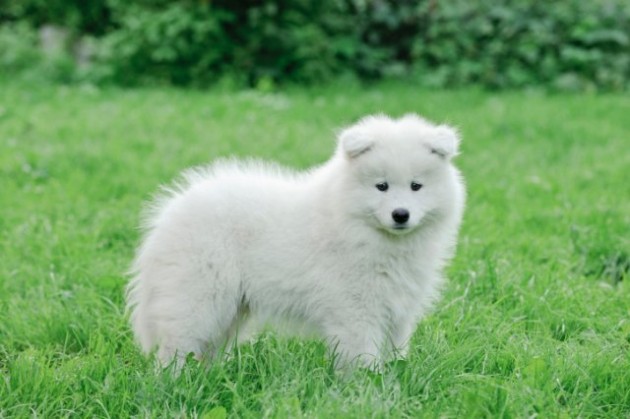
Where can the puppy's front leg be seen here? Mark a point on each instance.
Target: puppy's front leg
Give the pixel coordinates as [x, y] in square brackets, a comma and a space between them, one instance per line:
[356, 344]
[400, 338]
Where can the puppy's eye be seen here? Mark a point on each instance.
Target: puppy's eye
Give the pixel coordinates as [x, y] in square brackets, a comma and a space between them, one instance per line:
[415, 186]
[383, 186]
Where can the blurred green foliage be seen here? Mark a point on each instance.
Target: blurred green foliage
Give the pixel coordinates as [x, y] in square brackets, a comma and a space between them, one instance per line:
[86, 16]
[571, 44]
[20, 55]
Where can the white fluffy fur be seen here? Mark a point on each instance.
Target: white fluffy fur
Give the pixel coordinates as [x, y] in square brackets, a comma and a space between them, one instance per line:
[242, 244]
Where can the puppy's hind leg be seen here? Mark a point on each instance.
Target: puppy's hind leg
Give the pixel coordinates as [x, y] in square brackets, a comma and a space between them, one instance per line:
[188, 310]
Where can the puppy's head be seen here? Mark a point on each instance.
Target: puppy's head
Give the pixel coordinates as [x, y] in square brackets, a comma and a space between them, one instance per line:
[400, 170]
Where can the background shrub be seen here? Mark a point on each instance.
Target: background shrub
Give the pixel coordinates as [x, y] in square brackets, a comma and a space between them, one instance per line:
[572, 44]
[92, 16]
[20, 54]
[515, 43]
[174, 43]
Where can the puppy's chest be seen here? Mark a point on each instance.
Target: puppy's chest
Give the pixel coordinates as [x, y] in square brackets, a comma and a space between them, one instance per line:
[383, 270]
[396, 273]
[359, 263]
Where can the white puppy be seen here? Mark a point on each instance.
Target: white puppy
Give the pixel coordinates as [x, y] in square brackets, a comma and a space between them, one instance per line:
[353, 249]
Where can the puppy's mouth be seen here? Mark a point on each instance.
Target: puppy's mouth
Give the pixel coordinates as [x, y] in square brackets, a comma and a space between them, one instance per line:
[399, 229]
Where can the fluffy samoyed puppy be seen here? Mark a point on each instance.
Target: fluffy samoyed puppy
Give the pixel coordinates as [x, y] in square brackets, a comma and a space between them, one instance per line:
[352, 250]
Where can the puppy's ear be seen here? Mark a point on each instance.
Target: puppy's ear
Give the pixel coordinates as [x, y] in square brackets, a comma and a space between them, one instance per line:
[444, 142]
[355, 141]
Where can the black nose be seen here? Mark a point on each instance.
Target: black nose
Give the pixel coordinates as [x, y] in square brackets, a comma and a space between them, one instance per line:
[400, 215]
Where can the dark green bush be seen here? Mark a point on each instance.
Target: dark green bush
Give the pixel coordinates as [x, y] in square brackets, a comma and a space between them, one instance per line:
[175, 43]
[292, 40]
[571, 44]
[83, 16]
[516, 43]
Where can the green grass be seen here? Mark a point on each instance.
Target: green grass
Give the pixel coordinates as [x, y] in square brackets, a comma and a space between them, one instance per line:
[535, 320]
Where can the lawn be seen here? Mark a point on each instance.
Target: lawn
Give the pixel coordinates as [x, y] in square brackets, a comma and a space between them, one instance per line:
[535, 320]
